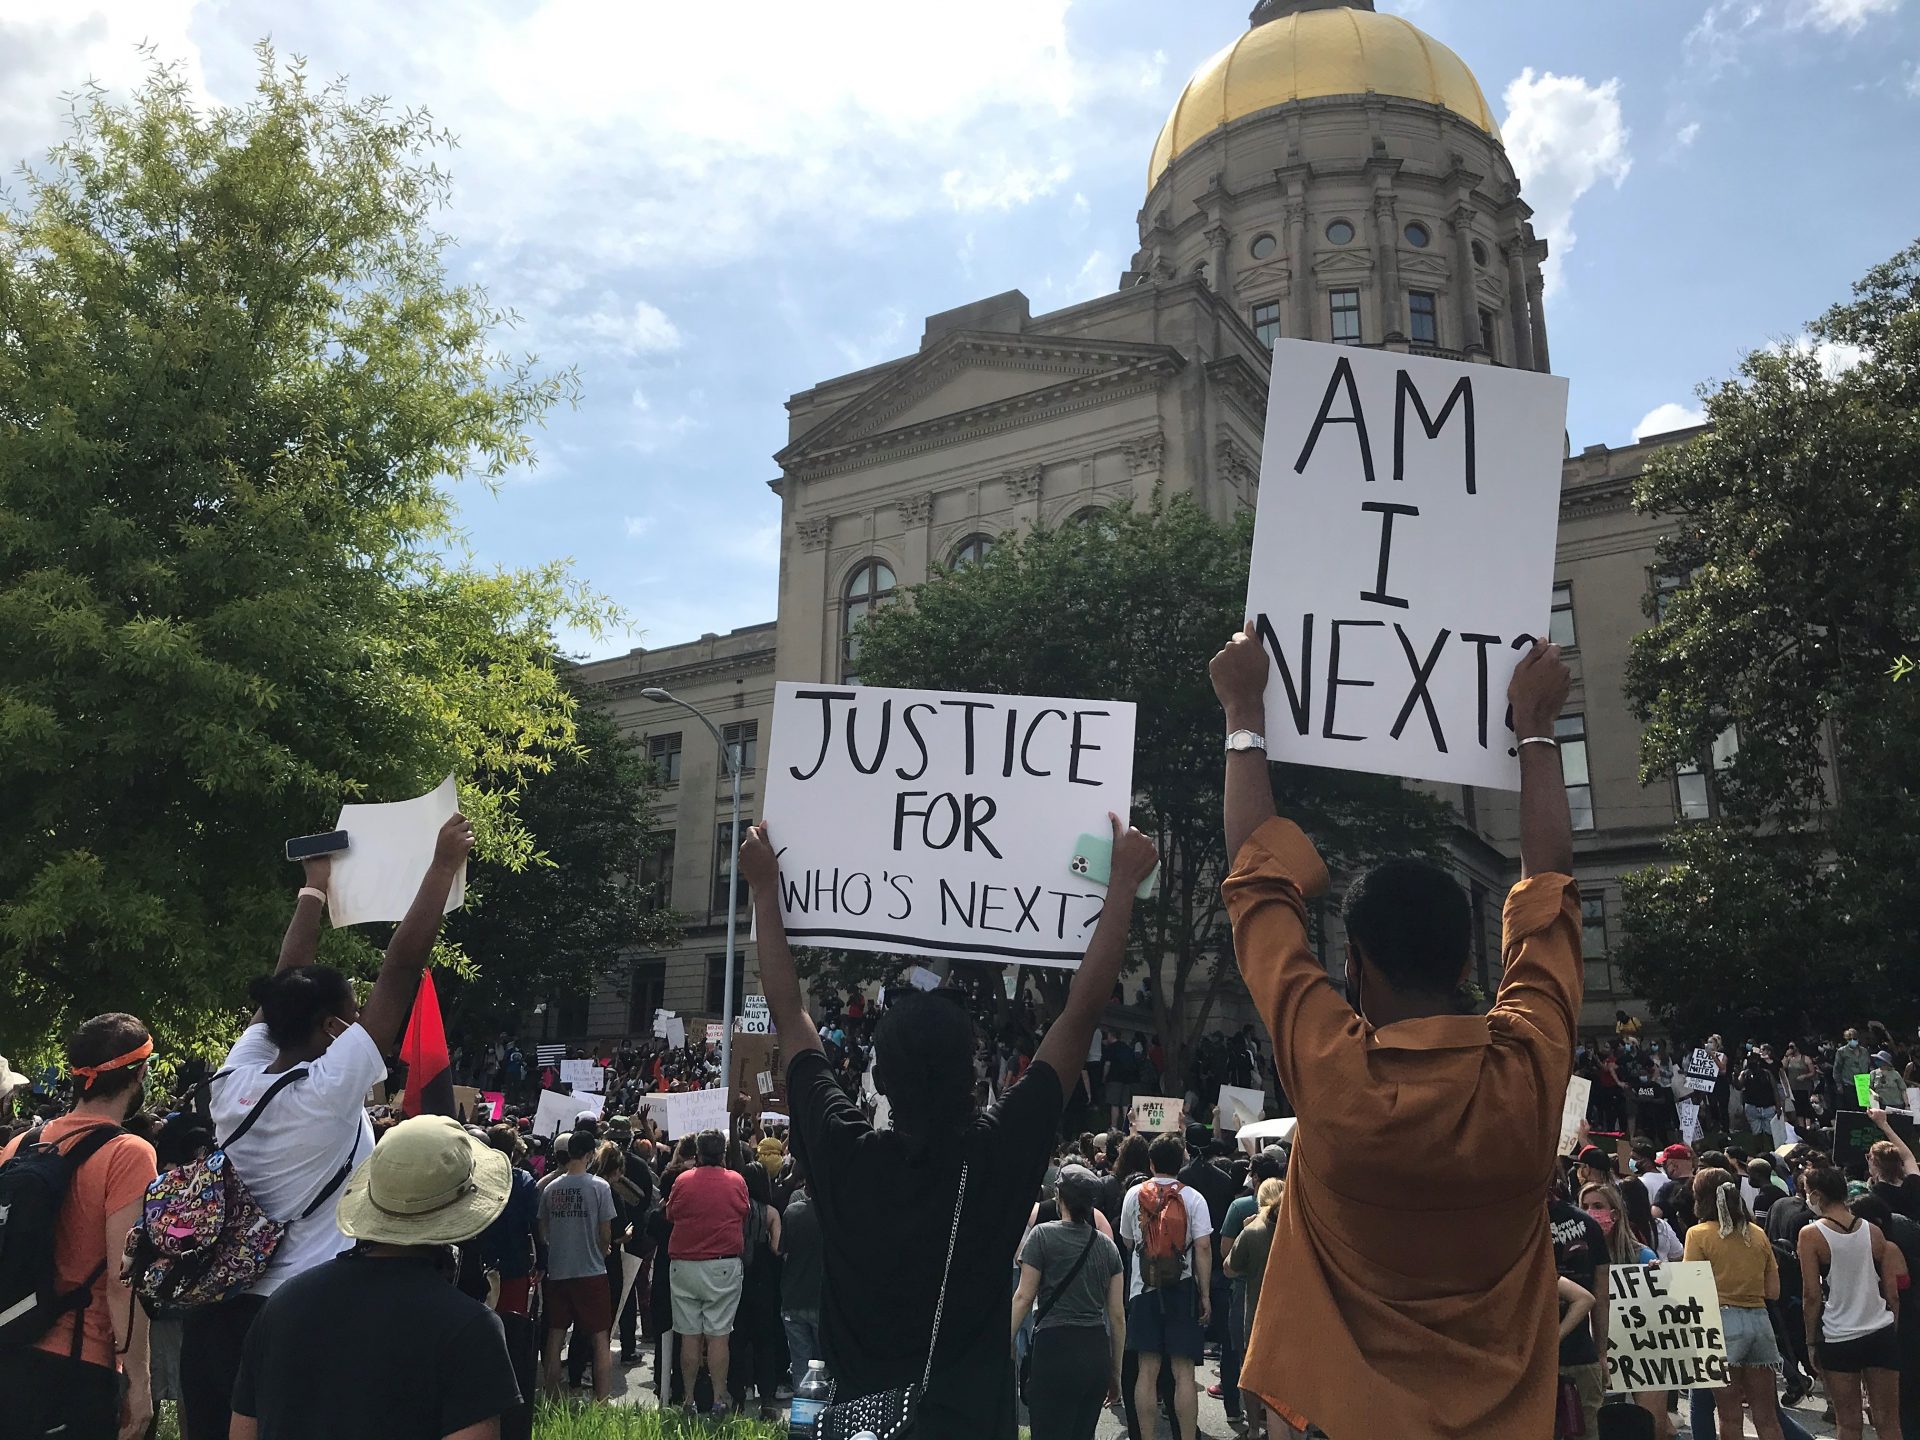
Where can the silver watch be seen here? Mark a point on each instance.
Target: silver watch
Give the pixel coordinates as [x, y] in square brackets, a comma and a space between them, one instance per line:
[1246, 740]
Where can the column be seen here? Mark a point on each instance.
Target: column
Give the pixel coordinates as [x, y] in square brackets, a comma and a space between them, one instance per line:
[1217, 271]
[1378, 304]
[1300, 316]
[915, 512]
[1466, 307]
[1393, 304]
[1537, 313]
[1517, 305]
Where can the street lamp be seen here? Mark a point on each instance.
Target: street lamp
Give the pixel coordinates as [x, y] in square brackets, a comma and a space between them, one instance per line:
[663, 697]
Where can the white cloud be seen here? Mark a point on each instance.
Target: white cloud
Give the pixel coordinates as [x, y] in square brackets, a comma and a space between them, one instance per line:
[1847, 15]
[1835, 357]
[641, 329]
[1727, 26]
[1670, 416]
[884, 342]
[1687, 134]
[53, 47]
[999, 184]
[1714, 42]
[638, 526]
[1564, 136]
[1913, 78]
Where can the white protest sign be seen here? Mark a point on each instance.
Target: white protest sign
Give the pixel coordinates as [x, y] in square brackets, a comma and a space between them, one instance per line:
[582, 1075]
[1239, 1105]
[1403, 555]
[1157, 1114]
[927, 823]
[688, 1112]
[716, 1032]
[922, 978]
[753, 1022]
[557, 1112]
[389, 849]
[671, 1028]
[1701, 1071]
[764, 1080]
[754, 1003]
[1573, 1111]
[1664, 1330]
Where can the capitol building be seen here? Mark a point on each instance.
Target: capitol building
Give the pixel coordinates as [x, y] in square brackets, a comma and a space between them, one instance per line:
[1332, 174]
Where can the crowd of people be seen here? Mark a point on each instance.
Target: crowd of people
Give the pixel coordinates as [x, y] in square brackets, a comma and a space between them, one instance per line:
[961, 1261]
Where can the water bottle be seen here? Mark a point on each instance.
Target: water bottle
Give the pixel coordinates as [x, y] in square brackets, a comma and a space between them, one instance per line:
[809, 1399]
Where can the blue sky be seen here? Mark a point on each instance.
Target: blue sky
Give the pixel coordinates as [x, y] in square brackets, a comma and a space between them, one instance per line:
[707, 208]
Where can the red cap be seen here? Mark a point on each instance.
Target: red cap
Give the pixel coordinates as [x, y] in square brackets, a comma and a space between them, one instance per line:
[1675, 1152]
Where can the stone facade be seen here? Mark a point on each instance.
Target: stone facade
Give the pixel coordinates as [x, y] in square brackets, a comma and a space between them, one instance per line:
[1362, 217]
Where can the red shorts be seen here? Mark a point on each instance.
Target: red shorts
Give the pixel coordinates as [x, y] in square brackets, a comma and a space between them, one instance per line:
[586, 1304]
[516, 1296]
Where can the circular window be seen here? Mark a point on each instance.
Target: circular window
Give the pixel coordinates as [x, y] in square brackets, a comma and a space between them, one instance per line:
[1479, 252]
[1340, 232]
[1263, 246]
[1419, 236]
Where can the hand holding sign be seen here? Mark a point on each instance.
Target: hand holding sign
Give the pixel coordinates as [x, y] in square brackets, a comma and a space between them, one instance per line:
[1239, 674]
[1538, 692]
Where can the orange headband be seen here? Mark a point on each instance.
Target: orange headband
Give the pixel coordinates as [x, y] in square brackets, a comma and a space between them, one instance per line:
[93, 1072]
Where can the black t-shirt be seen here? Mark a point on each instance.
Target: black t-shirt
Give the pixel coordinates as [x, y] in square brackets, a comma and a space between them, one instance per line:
[885, 1213]
[373, 1347]
[1757, 1088]
[1218, 1188]
[1902, 1199]
[1579, 1250]
[1675, 1201]
[800, 1247]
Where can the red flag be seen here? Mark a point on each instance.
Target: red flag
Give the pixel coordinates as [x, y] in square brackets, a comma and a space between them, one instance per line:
[424, 1049]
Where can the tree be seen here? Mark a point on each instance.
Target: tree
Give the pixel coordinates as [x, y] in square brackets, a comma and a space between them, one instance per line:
[1131, 606]
[235, 383]
[567, 917]
[1797, 528]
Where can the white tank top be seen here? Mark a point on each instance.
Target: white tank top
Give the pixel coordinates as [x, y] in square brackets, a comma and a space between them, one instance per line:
[1855, 1307]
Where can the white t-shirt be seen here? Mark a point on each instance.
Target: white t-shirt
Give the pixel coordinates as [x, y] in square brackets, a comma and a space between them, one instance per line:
[1199, 1226]
[306, 1133]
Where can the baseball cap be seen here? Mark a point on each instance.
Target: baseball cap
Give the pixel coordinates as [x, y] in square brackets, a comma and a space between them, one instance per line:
[1675, 1152]
[1594, 1158]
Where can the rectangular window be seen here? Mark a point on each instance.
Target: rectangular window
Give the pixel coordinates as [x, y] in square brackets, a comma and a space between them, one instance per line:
[656, 872]
[1667, 584]
[1560, 624]
[743, 745]
[717, 982]
[664, 753]
[1266, 323]
[1345, 307]
[1693, 786]
[646, 993]
[1571, 732]
[1489, 332]
[1424, 316]
[1593, 944]
[723, 857]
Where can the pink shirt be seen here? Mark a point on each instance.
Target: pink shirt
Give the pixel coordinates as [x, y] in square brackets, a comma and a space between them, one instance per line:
[708, 1207]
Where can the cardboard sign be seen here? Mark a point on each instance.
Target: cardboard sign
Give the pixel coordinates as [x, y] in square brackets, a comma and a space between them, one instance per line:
[1664, 1331]
[389, 849]
[688, 1112]
[1240, 1105]
[1700, 1071]
[928, 823]
[1403, 556]
[1158, 1115]
[1573, 1111]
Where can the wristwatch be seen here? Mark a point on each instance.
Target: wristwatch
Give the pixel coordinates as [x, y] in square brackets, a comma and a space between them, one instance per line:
[1246, 740]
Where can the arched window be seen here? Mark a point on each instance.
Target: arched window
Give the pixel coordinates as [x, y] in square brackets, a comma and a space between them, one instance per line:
[870, 585]
[1088, 515]
[970, 551]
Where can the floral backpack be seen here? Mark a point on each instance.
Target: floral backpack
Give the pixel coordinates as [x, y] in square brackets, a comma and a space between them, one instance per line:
[202, 1237]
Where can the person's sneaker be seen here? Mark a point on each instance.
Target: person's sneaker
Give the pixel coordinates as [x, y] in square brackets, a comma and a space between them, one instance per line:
[720, 1411]
[689, 1412]
[1215, 1391]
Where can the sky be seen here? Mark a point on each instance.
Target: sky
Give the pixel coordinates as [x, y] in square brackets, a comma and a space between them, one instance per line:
[707, 208]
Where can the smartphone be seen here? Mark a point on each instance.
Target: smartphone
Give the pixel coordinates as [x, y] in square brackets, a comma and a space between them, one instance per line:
[306, 847]
[1093, 860]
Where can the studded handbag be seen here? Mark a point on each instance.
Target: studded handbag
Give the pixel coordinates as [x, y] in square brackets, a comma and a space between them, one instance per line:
[890, 1414]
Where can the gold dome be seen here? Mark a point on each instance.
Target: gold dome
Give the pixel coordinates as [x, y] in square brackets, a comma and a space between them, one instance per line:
[1312, 53]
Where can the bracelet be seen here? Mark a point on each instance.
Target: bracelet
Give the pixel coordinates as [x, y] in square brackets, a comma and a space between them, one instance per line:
[320, 895]
[1541, 740]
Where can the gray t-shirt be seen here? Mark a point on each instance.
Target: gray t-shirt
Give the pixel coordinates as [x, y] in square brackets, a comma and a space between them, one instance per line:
[574, 1207]
[1052, 1250]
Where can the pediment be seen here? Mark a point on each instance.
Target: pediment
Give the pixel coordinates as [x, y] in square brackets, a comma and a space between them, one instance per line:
[971, 377]
[1343, 262]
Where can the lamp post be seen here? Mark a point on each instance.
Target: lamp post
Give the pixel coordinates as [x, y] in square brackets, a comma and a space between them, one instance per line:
[733, 885]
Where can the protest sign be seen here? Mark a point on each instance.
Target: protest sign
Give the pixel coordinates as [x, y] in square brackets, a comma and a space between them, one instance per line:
[922, 978]
[496, 1103]
[1664, 1330]
[716, 1032]
[927, 823]
[688, 1112]
[1854, 1133]
[669, 1027]
[1700, 1071]
[775, 1118]
[1573, 1111]
[466, 1105]
[582, 1075]
[1403, 556]
[1157, 1115]
[753, 1022]
[764, 1082]
[557, 1112]
[389, 848]
[1863, 1088]
[1239, 1105]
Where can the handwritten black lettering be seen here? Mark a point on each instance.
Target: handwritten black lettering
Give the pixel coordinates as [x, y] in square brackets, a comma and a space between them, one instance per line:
[1378, 595]
[1342, 375]
[1422, 676]
[1300, 700]
[1462, 395]
[1334, 682]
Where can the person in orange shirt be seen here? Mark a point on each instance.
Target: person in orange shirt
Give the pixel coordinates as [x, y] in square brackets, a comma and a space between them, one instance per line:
[68, 1382]
[1385, 1314]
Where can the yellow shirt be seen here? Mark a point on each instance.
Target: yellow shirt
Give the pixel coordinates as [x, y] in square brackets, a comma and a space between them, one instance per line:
[1412, 1246]
[1740, 1269]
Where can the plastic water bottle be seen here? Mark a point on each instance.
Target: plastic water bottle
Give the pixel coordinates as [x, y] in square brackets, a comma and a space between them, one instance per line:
[809, 1399]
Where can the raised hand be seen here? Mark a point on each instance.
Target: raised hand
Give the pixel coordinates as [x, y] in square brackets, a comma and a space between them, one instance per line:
[1538, 692]
[759, 865]
[1134, 857]
[454, 844]
[1239, 674]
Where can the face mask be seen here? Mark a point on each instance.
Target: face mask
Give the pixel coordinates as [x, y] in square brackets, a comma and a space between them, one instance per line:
[1602, 1216]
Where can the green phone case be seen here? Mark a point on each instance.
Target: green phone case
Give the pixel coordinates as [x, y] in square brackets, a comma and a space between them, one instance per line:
[1093, 860]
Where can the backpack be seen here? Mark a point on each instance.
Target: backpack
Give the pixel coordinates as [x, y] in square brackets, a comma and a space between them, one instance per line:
[1163, 1235]
[33, 1188]
[202, 1237]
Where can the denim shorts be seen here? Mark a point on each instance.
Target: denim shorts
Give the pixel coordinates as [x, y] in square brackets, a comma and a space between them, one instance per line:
[1749, 1335]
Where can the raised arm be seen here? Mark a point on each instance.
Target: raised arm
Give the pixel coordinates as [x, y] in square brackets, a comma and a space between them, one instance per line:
[386, 1009]
[302, 940]
[1879, 1117]
[1239, 675]
[1538, 695]
[1065, 1045]
[760, 864]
